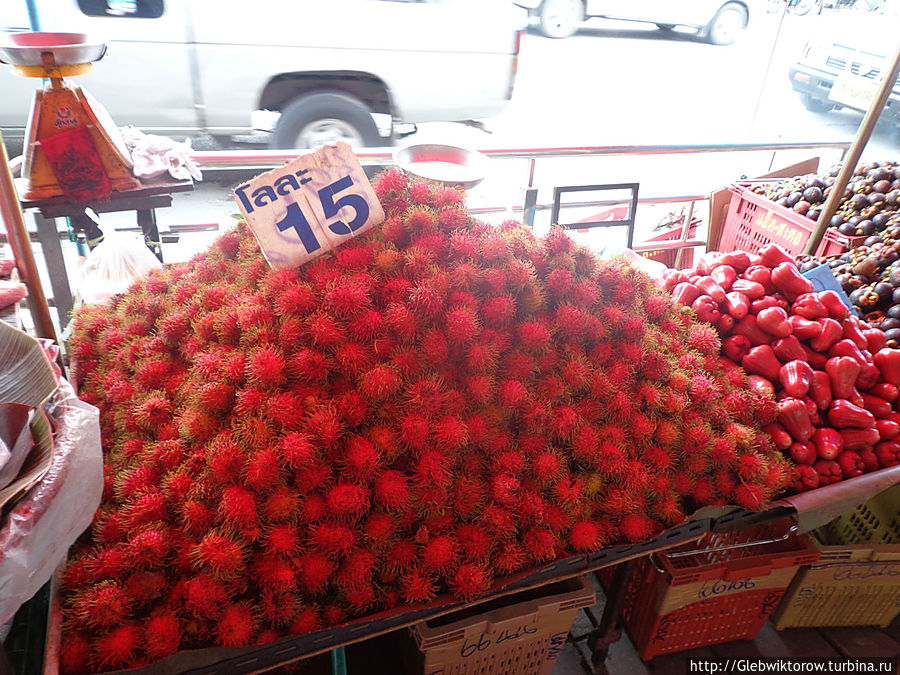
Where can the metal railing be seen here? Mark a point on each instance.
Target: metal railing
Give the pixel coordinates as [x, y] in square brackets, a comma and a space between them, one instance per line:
[269, 159]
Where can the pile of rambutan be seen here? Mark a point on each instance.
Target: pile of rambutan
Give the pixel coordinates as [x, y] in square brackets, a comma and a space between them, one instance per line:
[434, 405]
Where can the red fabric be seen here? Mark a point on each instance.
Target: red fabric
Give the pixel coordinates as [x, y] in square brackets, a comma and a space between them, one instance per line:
[77, 165]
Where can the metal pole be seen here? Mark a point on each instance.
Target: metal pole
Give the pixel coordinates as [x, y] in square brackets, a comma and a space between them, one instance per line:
[33, 19]
[862, 137]
[11, 215]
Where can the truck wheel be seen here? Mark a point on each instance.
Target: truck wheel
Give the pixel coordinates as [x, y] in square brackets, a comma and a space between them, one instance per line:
[727, 24]
[815, 104]
[560, 18]
[314, 120]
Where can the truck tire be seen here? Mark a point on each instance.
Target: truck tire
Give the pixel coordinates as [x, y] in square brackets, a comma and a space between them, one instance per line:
[317, 119]
[560, 18]
[726, 25]
[815, 104]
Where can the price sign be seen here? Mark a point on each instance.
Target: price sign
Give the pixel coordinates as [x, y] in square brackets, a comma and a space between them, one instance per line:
[311, 205]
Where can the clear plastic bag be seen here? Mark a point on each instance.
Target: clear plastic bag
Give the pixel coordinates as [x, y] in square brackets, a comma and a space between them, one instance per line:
[114, 264]
[37, 533]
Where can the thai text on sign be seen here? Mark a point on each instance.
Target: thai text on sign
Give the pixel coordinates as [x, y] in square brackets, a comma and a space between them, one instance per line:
[311, 205]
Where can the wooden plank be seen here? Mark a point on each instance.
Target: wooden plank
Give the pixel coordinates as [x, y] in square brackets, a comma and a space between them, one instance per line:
[894, 629]
[862, 641]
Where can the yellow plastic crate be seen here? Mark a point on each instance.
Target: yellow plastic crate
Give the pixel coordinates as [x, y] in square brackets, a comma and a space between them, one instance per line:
[857, 579]
[523, 636]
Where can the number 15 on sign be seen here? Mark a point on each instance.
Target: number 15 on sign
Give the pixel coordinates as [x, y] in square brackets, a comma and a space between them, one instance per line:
[309, 206]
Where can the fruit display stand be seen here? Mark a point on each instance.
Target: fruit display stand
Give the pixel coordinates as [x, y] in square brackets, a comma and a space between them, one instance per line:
[854, 582]
[260, 657]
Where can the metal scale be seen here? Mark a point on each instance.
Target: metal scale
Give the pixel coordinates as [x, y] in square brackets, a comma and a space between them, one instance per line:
[61, 108]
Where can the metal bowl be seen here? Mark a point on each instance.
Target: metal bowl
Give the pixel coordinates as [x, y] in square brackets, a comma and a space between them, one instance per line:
[447, 164]
[68, 49]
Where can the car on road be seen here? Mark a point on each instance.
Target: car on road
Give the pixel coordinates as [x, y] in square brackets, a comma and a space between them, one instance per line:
[323, 69]
[843, 67]
[717, 21]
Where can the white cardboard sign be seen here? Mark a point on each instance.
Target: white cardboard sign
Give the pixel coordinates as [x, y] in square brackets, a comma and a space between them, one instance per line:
[311, 205]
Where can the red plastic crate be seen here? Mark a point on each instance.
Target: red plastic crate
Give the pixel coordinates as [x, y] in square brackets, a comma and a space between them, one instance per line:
[667, 256]
[753, 221]
[716, 594]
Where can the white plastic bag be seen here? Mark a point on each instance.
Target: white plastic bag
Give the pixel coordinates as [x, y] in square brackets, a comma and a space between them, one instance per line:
[153, 156]
[114, 264]
[37, 533]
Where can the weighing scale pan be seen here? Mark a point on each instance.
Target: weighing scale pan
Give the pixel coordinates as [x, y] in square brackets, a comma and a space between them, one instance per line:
[445, 164]
[68, 49]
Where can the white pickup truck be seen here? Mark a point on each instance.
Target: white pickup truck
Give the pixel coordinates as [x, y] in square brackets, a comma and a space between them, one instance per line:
[179, 67]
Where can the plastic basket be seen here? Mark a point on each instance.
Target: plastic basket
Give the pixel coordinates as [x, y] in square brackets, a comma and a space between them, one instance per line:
[667, 256]
[523, 635]
[857, 579]
[722, 588]
[753, 221]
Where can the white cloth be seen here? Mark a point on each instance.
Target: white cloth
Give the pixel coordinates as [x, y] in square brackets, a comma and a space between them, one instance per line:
[155, 155]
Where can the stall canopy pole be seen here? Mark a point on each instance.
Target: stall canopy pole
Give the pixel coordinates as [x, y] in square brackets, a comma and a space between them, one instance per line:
[11, 215]
[852, 158]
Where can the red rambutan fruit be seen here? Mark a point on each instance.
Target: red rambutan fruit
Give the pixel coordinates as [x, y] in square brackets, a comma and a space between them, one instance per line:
[333, 538]
[469, 581]
[307, 620]
[416, 587]
[75, 653]
[433, 469]
[563, 422]
[379, 383]
[347, 499]
[704, 491]
[461, 325]
[266, 367]
[379, 529]
[220, 554]
[325, 424]
[149, 507]
[749, 495]
[118, 646]
[282, 539]
[315, 572]
[236, 627]
[585, 536]
[509, 558]
[392, 490]
[414, 431]
[238, 506]
[262, 471]
[636, 527]
[103, 605]
[296, 451]
[540, 544]
[162, 635]
[533, 336]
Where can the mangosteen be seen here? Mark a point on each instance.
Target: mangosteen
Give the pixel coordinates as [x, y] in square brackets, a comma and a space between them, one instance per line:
[859, 202]
[880, 173]
[892, 197]
[884, 290]
[856, 296]
[802, 207]
[853, 220]
[895, 296]
[881, 220]
[814, 213]
[782, 202]
[893, 312]
[882, 186]
[865, 267]
[847, 229]
[836, 220]
[866, 227]
[892, 334]
[875, 198]
[887, 324]
[793, 198]
[811, 265]
[814, 194]
[874, 239]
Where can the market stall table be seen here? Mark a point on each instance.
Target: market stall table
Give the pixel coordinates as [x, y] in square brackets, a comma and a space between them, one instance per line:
[143, 201]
